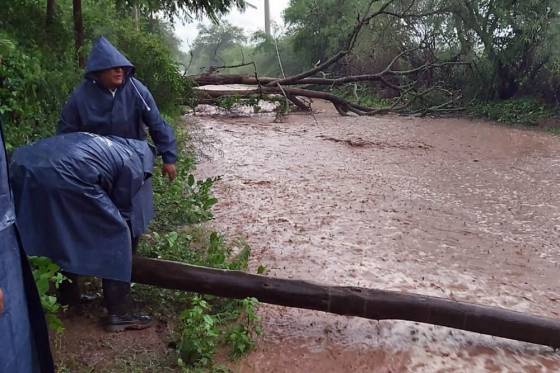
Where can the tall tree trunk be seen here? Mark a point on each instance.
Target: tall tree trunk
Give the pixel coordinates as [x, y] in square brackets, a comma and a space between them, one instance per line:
[51, 4]
[137, 17]
[78, 32]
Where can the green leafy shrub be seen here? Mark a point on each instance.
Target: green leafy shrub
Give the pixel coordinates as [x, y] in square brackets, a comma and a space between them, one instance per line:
[241, 336]
[48, 277]
[208, 322]
[199, 335]
[31, 95]
[206, 326]
[520, 111]
[186, 200]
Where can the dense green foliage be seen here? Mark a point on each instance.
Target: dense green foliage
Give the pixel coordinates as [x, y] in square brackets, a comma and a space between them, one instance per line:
[508, 42]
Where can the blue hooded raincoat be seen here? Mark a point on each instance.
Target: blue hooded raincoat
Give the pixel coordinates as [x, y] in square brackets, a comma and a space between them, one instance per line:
[73, 206]
[92, 108]
[24, 343]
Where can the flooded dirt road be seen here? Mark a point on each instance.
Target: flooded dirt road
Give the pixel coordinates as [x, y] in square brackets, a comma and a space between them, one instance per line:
[446, 207]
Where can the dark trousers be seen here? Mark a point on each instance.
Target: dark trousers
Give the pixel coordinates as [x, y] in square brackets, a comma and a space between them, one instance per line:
[115, 293]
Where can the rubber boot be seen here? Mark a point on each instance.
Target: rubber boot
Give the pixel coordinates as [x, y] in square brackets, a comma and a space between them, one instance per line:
[119, 317]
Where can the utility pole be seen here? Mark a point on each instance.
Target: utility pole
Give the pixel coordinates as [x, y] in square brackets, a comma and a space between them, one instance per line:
[267, 17]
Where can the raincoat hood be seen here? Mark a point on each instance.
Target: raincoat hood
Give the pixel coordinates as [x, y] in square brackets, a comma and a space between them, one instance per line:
[105, 56]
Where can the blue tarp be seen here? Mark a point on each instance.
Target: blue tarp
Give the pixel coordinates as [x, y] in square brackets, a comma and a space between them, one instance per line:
[74, 194]
[24, 345]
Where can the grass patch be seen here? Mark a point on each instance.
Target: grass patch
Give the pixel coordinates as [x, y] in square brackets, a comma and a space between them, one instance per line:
[518, 111]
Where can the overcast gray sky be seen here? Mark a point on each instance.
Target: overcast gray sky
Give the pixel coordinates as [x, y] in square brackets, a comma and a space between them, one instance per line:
[251, 20]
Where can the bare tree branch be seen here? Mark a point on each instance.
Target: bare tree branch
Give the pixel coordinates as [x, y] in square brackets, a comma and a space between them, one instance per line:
[412, 90]
[213, 69]
[350, 44]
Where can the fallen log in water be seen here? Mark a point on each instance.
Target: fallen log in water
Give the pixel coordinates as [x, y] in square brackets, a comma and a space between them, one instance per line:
[350, 301]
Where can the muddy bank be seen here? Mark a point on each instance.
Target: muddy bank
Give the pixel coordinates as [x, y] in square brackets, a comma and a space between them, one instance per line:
[84, 346]
[446, 207]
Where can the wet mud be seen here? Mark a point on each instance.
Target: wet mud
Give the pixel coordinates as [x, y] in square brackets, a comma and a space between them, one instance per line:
[85, 347]
[454, 208]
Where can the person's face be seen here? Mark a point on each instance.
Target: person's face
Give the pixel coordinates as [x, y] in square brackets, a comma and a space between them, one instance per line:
[111, 78]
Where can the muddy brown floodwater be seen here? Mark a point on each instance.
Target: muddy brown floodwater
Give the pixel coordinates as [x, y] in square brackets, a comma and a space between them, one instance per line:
[454, 208]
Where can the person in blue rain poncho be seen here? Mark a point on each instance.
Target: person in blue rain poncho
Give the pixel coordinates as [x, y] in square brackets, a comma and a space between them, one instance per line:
[111, 101]
[75, 207]
[24, 340]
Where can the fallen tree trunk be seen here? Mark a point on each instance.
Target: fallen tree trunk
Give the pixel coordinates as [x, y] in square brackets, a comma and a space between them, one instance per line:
[342, 106]
[350, 301]
[219, 79]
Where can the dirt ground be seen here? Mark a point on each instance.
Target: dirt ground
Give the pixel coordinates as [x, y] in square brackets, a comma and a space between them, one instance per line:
[84, 347]
[448, 207]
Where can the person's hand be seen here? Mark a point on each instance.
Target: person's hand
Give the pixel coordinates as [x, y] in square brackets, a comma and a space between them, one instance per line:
[169, 170]
[1, 301]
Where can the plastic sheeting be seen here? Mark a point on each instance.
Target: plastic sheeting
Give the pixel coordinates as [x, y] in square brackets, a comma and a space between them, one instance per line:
[74, 194]
[24, 345]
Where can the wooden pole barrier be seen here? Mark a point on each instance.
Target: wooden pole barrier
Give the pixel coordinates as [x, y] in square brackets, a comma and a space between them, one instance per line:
[350, 301]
